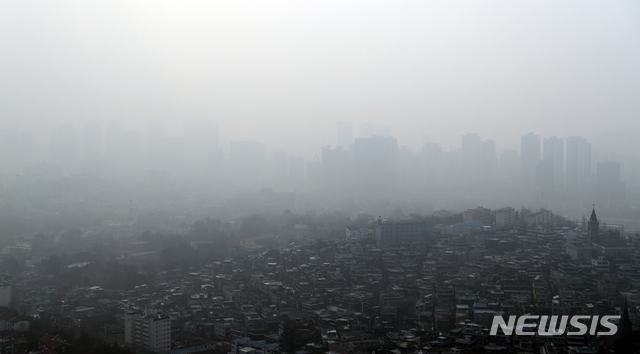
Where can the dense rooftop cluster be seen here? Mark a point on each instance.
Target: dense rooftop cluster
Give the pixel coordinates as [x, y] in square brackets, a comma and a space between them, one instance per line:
[432, 288]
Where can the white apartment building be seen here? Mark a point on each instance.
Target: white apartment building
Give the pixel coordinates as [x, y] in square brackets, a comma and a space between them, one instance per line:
[5, 294]
[542, 217]
[505, 217]
[149, 329]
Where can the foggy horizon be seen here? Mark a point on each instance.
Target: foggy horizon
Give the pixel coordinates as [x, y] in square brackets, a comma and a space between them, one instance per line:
[262, 71]
[490, 104]
[319, 177]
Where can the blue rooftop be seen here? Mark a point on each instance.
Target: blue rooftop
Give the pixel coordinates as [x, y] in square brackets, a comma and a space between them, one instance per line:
[467, 224]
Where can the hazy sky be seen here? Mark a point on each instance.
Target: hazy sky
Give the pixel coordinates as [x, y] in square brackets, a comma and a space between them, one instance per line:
[285, 72]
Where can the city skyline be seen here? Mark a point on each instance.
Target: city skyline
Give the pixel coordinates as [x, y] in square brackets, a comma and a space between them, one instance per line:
[438, 69]
[546, 172]
[334, 177]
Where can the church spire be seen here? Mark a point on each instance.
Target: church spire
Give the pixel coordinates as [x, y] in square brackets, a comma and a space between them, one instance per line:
[593, 227]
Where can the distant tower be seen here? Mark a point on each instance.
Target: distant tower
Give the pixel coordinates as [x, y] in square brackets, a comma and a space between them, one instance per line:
[578, 166]
[593, 227]
[553, 150]
[529, 159]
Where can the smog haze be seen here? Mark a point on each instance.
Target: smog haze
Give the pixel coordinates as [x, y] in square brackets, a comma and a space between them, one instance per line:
[285, 72]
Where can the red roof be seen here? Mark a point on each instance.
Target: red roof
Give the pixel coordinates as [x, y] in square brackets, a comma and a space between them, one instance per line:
[20, 340]
[52, 341]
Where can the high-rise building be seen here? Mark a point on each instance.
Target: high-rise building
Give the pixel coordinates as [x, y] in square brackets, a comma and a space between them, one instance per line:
[545, 178]
[368, 130]
[505, 217]
[578, 162]
[335, 168]
[479, 162]
[553, 150]
[408, 167]
[489, 167]
[529, 159]
[5, 294]
[471, 157]
[375, 166]
[149, 329]
[345, 134]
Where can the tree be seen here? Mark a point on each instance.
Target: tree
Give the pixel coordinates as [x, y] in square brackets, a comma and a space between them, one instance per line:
[10, 265]
[253, 226]
[178, 256]
[71, 236]
[52, 265]
[41, 241]
[398, 214]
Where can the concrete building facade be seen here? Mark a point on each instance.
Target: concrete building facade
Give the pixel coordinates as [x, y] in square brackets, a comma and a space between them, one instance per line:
[149, 329]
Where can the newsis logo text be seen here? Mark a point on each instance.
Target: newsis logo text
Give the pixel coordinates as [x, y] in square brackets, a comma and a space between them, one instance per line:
[555, 325]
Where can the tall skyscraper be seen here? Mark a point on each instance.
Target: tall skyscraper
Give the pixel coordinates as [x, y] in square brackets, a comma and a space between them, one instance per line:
[578, 171]
[375, 166]
[368, 130]
[335, 169]
[545, 178]
[489, 160]
[479, 162]
[344, 134]
[529, 159]
[553, 150]
[471, 157]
